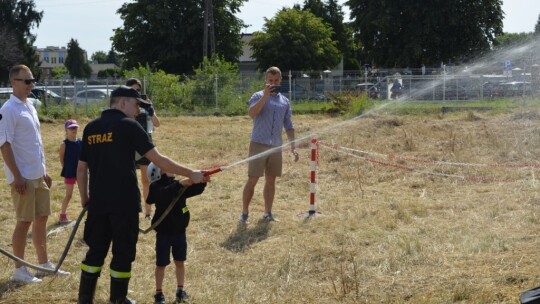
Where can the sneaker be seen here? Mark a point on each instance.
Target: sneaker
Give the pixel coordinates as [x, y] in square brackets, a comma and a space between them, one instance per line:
[63, 218]
[159, 298]
[22, 274]
[244, 218]
[267, 216]
[50, 265]
[181, 296]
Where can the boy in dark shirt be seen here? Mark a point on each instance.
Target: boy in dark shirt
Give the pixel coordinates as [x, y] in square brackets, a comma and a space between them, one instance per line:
[171, 231]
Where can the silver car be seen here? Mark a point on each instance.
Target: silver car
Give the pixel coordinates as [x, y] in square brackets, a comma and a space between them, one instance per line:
[92, 96]
[6, 92]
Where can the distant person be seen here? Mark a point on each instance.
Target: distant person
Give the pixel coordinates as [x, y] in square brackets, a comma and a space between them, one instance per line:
[107, 165]
[396, 89]
[148, 120]
[171, 232]
[69, 158]
[271, 113]
[26, 173]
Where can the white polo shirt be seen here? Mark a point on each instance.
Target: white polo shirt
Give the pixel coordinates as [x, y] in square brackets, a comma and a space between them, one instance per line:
[19, 126]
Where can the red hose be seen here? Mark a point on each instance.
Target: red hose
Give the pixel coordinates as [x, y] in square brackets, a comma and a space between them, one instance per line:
[210, 172]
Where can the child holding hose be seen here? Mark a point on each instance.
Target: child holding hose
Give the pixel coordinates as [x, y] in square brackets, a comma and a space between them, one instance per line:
[171, 231]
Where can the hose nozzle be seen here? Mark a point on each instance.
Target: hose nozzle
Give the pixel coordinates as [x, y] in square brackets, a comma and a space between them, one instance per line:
[213, 171]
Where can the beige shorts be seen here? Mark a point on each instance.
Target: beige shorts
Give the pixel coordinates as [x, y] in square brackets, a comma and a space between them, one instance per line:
[35, 201]
[269, 164]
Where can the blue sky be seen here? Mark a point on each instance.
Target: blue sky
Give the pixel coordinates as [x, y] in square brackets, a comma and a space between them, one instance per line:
[91, 22]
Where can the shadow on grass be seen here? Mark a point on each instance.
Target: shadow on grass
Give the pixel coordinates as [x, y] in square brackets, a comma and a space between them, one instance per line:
[7, 286]
[243, 237]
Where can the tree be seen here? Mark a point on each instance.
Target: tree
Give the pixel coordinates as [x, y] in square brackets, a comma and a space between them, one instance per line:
[295, 40]
[206, 79]
[109, 57]
[76, 62]
[17, 18]
[8, 43]
[332, 14]
[537, 26]
[109, 73]
[167, 34]
[511, 40]
[59, 72]
[400, 33]
[112, 57]
[99, 57]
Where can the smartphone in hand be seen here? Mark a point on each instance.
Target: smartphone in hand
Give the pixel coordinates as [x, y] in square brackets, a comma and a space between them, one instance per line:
[275, 89]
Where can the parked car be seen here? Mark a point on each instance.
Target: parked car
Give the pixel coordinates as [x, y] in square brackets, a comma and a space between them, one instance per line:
[368, 88]
[447, 92]
[92, 96]
[300, 93]
[516, 88]
[6, 92]
[45, 94]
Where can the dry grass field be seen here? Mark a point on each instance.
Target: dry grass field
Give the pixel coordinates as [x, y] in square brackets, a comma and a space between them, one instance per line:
[414, 209]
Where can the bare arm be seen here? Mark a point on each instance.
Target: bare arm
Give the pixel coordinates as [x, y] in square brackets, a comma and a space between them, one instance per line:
[155, 120]
[257, 107]
[290, 137]
[82, 181]
[19, 182]
[171, 166]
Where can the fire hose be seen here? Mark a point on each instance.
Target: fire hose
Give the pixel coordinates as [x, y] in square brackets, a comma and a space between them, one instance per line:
[171, 205]
[62, 257]
[78, 222]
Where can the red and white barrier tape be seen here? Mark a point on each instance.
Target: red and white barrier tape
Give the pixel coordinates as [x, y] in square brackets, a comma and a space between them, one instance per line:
[431, 161]
[406, 168]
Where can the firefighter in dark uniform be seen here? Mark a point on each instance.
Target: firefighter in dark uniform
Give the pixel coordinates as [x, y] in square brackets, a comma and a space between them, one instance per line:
[108, 186]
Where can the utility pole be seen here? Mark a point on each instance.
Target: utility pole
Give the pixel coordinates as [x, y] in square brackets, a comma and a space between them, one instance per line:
[212, 33]
[209, 23]
[205, 35]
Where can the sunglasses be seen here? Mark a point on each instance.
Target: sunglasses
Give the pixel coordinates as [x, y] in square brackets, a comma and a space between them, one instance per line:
[26, 81]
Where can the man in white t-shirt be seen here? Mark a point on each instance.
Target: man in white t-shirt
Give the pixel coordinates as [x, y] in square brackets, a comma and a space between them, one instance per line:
[24, 157]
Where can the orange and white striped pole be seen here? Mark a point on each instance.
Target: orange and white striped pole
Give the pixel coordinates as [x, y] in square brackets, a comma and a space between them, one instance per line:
[313, 178]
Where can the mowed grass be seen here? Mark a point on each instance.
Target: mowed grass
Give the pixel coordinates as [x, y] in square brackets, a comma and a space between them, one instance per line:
[395, 226]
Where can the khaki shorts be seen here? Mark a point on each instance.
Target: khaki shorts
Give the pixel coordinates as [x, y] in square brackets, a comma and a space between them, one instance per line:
[269, 164]
[35, 201]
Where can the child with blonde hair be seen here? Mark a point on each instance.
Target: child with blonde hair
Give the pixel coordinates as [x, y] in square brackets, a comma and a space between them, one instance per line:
[69, 158]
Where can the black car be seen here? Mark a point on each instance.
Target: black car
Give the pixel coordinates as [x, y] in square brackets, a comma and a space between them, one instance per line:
[507, 89]
[300, 93]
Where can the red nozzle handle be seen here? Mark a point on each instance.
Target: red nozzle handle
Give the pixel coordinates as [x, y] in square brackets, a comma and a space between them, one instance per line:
[210, 172]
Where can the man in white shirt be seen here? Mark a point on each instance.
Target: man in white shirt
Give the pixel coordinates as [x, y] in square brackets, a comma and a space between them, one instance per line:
[24, 157]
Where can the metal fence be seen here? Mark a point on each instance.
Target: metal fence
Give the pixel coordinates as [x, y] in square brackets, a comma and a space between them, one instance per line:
[218, 90]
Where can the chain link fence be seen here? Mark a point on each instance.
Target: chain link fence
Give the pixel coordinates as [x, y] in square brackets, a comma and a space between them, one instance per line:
[231, 92]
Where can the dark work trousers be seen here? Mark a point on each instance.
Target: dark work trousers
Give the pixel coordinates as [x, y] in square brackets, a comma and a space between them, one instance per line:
[122, 229]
